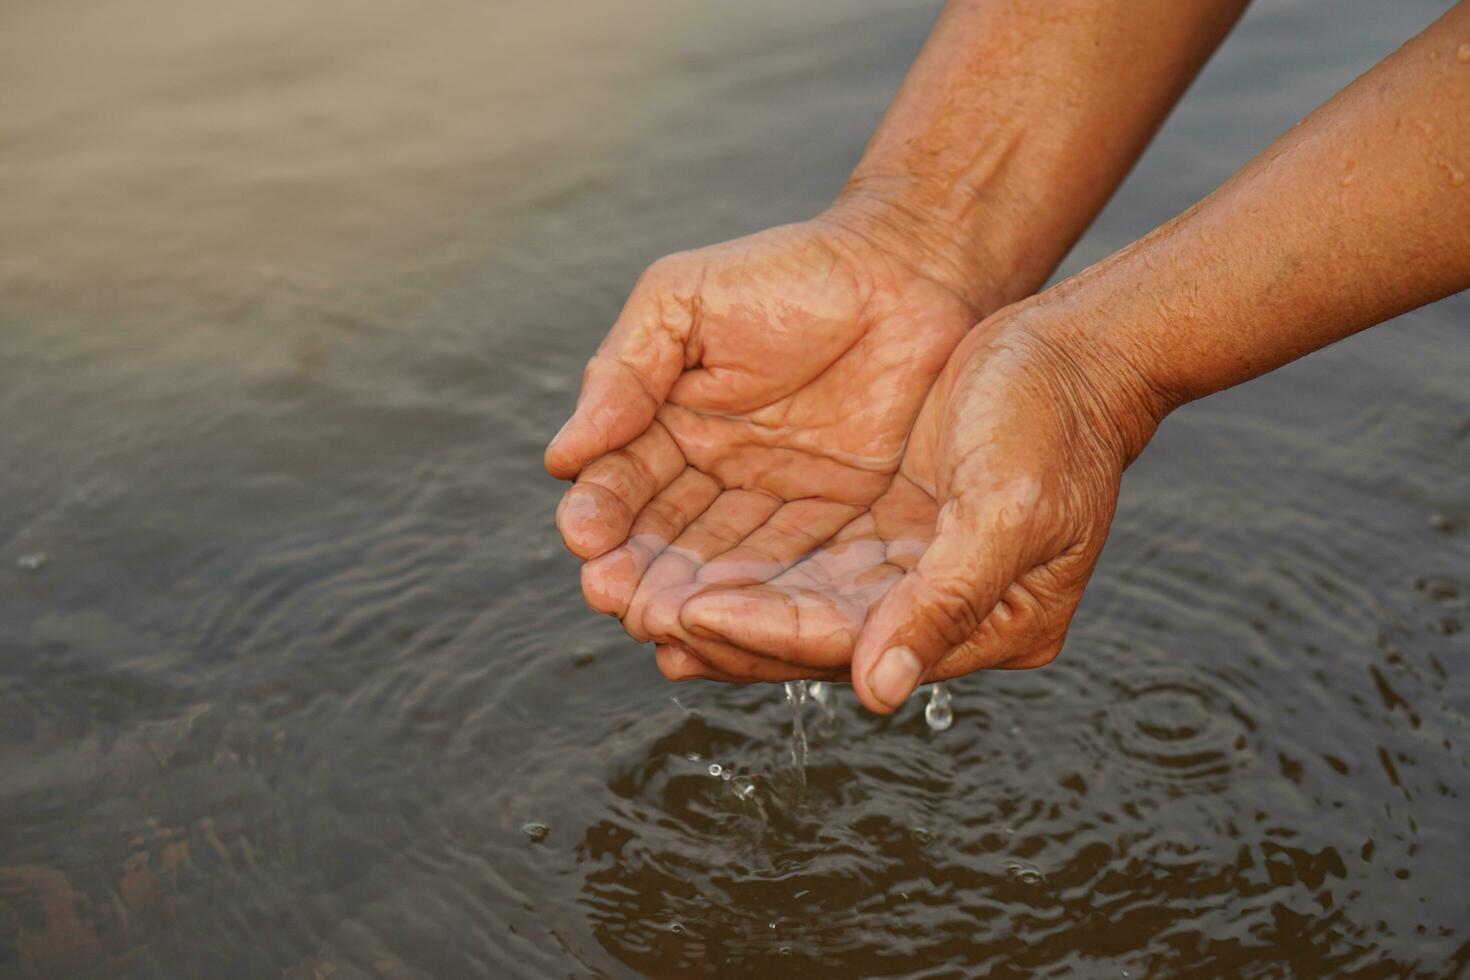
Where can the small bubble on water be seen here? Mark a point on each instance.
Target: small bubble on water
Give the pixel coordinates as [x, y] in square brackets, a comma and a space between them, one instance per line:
[537, 832]
[33, 562]
[744, 787]
[770, 925]
[1025, 875]
[715, 769]
[727, 775]
[921, 836]
[785, 950]
[692, 756]
[676, 927]
[939, 712]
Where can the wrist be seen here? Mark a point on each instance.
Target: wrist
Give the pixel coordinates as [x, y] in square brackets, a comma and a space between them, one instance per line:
[910, 219]
[1101, 367]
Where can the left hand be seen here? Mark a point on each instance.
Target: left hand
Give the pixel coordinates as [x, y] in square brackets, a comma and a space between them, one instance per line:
[752, 399]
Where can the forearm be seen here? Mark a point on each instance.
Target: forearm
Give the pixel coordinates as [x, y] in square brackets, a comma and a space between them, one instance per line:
[1359, 213]
[1017, 122]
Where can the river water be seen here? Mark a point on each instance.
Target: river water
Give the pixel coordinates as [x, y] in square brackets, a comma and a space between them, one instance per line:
[295, 679]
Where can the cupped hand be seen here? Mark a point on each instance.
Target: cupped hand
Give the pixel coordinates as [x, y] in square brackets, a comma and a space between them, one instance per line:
[977, 554]
[752, 399]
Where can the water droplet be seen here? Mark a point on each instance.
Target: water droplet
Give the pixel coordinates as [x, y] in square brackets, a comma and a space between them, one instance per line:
[33, 562]
[715, 769]
[785, 950]
[727, 775]
[692, 756]
[537, 832]
[744, 787]
[676, 927]
[582, 657]
[939, 712]
[771, 925]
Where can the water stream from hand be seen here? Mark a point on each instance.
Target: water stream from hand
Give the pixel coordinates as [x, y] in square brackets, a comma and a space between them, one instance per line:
[796, 692]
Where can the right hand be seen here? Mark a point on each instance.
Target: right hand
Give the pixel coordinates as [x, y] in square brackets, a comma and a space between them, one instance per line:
[752, 398]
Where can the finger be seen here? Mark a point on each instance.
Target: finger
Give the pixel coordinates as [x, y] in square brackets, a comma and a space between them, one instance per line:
[627, 380]
[610, 581]
[739, 666]
[791, 534]
[1028, 625]
[722, 661]
[727, 522]
[799, 625]
[677, 663]
[597, 512]
[970, 657]
[934, 608]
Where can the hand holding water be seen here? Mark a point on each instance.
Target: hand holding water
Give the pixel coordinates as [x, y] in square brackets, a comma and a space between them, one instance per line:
[732, 424]
[1019, 451]
[751, 400]
[977, 555]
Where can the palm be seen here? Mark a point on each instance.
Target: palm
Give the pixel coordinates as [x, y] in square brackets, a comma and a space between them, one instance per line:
[988, 430]
[791, 364]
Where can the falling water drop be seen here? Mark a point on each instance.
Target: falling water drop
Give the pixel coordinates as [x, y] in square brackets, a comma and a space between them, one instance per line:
[821, 693]
[796, 696]
[939, 712]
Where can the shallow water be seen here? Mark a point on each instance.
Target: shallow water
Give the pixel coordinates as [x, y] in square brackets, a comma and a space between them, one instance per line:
[294, 675]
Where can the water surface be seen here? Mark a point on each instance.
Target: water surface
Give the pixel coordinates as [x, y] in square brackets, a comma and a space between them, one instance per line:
[294, 675]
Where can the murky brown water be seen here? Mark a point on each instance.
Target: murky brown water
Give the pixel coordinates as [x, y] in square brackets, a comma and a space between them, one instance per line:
[290, 297]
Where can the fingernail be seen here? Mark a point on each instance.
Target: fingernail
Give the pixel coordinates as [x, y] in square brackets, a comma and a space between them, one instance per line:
[560, 432]
[895, 676]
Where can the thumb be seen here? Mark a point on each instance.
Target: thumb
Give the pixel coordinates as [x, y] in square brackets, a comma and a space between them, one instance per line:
[622, 387]
[933, 609]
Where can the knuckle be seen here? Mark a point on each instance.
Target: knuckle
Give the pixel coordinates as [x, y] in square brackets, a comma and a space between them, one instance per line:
[952, 612]
[1039, 655]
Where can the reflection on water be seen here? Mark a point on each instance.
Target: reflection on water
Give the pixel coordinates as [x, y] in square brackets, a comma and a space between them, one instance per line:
[294, 675]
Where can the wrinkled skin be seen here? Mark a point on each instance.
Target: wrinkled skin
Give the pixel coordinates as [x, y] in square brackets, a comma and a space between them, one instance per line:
[752, 399]
[977, 554]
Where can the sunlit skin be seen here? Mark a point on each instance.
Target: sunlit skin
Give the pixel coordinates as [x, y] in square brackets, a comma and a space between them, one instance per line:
[768, 386]
[1006, 489]
[756, 396]
[976, 553]
[1358, 214]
